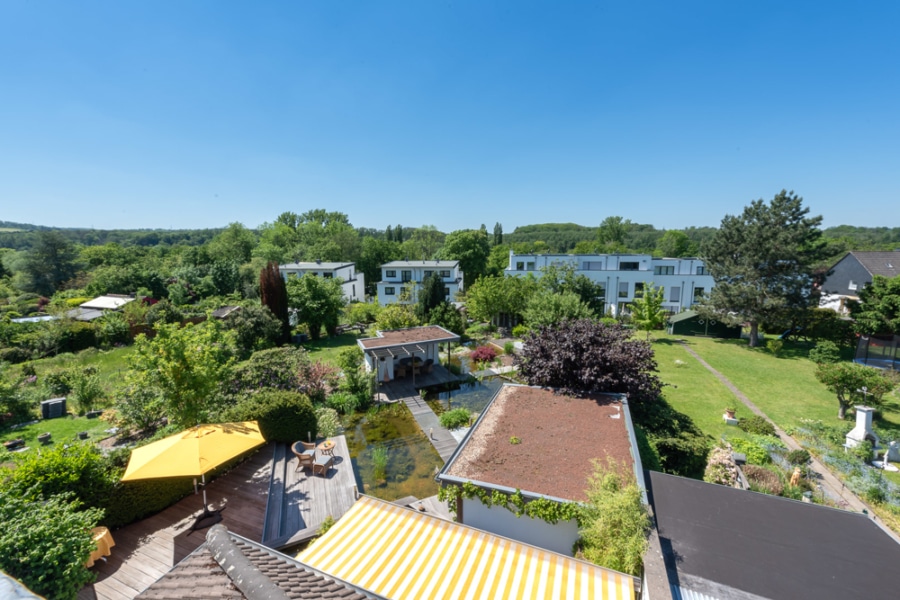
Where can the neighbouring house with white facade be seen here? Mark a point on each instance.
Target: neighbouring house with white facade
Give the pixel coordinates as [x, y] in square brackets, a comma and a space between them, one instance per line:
[623, 276]
[401, 280]
[852, 273]
[544, 445]
[352, 281]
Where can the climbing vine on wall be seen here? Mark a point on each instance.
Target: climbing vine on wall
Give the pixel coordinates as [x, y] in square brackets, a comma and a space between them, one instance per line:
[537, 508]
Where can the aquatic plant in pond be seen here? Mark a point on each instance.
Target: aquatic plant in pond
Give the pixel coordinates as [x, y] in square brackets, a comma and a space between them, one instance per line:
[391, 456]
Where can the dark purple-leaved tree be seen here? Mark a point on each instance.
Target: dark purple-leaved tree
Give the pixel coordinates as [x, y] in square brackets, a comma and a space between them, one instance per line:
[586, 357]
[273, 294]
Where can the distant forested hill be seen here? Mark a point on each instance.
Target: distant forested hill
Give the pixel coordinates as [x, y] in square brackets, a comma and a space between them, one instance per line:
[21, 236]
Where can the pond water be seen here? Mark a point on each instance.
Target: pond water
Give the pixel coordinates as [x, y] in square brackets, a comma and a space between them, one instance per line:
[391, 456]
[472, 394]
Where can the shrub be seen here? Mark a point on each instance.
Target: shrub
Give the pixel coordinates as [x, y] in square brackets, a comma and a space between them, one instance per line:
[327, 421]
[756, 454]
[113, 329]
[509, 348]
[343, 402]
[255, 328]
[77, 336]
[797, 457]
[86, 388]
[763, 480]
[275, 368]
[775, 346]
[483, 354]
[720, 468]
[519, 331]
[14, 355]
[45, 542]
[456, 418]
[162, 312]
[282, 416]
[756, 424]
[825, 351]
[615, 523]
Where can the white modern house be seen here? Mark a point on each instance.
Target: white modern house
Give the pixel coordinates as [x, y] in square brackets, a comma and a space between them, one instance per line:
[352, 281]
[401, 280]
[623, 276]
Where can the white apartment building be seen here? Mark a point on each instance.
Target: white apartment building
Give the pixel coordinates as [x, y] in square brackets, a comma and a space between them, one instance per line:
[352, 282]
[623, 276]
[401, 280]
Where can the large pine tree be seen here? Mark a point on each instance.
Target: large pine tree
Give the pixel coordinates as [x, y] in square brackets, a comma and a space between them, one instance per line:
[762, 261]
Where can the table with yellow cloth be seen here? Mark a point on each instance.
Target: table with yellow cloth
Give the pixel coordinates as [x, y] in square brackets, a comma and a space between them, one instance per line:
[104, 540]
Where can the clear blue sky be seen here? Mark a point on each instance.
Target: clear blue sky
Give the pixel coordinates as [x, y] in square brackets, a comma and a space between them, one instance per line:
[196, 114]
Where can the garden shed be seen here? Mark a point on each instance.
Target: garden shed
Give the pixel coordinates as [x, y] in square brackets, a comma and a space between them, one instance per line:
[690, 322]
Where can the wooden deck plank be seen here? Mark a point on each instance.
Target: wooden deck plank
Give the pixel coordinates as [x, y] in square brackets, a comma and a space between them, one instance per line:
[147, 549]
[308, 499]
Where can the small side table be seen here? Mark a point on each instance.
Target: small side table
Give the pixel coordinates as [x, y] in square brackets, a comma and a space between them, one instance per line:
[327, 448]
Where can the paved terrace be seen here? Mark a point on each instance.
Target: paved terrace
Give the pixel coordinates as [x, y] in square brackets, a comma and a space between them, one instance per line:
[404, 390]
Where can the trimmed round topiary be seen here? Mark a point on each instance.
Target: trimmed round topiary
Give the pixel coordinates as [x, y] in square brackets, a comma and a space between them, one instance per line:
[282, 416]
[797, 457]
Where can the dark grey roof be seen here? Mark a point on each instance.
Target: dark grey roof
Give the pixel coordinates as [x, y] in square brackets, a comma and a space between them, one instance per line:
[398, 264]
[886, 264]
[229, 566]
[731, 543]
[224, 311]
[683, 316]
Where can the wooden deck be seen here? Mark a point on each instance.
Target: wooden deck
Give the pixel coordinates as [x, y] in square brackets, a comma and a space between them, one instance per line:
[147, 549]
[405, 390]
[299, 501]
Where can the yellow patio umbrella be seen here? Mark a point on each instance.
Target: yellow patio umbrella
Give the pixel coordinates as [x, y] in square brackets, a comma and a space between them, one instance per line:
[193, 452]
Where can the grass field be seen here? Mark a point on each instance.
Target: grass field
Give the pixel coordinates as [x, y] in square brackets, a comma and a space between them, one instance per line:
[63, 430]
[327, 349]
[693, 390]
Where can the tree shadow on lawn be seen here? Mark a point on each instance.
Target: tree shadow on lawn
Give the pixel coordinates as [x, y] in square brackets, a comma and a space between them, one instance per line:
[791, 350]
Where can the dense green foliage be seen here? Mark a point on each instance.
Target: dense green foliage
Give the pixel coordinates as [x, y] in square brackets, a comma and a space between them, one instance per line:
[318, 302]
[456, 418]
[756, 424]
[282, 416]
[45, 542]
[762, 261]
[878, 309]
[616, 523]
[847, 380]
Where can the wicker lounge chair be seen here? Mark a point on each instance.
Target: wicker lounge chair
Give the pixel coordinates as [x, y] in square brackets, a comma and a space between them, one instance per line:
[305, 457]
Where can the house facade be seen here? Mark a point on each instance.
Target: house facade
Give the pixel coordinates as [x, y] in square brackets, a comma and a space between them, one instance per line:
[623, 276]
[852, 273]
[352, 281]
[401, 280]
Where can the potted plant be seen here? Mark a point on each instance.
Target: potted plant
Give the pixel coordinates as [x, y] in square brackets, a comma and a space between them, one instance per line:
[82, 435]
[730, 412]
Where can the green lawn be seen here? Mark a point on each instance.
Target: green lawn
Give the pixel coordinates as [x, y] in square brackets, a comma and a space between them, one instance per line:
[693, 390]
[785, 388]
[64, 430]
[111, 363]
[327, 349]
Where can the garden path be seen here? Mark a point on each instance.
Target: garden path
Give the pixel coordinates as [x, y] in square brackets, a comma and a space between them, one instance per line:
[831, 484]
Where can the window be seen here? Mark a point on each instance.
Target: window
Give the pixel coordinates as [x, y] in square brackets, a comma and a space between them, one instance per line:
[592, 265]
[445, 274]
[328, 275]
[623, 289]
[446, 292]
[390, 273]
[406, 275]
[675, 293]
[698, 294]
[292, 276]
[602, 294]
[529, 266]
[669, 270]
[520, 265]
[389, 291]
[639, 289]
[852, 285]
[629, 266]
[354, 290]
[314, 273]
[701, 270]
[428, 274]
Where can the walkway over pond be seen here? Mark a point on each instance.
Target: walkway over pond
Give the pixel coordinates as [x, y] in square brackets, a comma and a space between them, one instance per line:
[405, 390]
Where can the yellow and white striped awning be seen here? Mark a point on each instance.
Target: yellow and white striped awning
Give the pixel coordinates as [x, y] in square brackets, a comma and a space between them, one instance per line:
[398, 553]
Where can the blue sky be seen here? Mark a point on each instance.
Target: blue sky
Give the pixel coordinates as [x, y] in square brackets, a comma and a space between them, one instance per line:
[196, 114]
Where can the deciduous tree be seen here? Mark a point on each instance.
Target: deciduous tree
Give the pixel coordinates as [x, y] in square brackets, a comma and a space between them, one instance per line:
[273, 295]
[549, 308]
[647, 311]
[317, 302]
[847, 380]
[762, 261]
[471, 248]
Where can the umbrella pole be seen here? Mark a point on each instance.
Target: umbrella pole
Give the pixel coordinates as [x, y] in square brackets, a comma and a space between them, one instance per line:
[206, 510]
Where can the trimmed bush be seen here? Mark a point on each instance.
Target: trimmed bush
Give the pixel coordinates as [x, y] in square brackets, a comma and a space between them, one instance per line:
[756, 424]
[825, 352]
[343, 402]
[797, 457]
[282, 416]
[756, 454]
[456, 418]
[483, 354]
